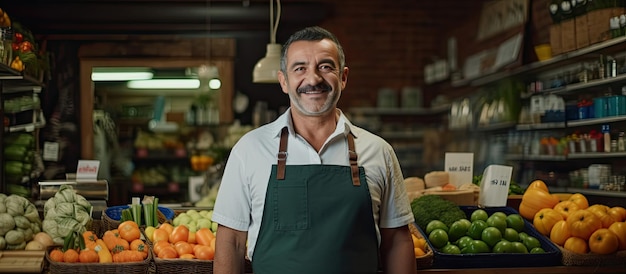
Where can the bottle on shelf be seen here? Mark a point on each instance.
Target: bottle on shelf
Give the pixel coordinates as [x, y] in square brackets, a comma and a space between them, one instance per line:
[606, 138]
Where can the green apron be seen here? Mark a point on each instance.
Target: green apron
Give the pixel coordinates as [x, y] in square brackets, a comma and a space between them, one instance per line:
[316, 219]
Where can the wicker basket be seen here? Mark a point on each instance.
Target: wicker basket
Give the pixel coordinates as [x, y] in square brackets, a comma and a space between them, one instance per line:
[425, 261]
[111, 216]
[570, 258]
[126, 268]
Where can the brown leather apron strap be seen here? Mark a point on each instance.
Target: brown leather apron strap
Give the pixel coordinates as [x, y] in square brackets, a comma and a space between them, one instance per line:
[282, 154]
[354, 165]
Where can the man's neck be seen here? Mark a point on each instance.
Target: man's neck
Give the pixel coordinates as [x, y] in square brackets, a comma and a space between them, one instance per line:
[315, 130]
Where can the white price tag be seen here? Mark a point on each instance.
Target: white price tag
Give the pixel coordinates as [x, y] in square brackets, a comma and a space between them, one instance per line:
[87, 170]
[460, 167]
[494, 187]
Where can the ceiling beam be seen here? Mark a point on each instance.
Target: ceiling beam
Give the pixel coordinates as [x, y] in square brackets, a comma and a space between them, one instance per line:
[223, 18]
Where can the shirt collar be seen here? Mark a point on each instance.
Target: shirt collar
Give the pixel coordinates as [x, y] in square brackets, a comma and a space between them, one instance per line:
[344, 126]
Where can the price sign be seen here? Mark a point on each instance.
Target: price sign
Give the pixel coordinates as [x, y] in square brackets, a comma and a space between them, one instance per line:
[87, 170]
[460, 167]
[494, 187]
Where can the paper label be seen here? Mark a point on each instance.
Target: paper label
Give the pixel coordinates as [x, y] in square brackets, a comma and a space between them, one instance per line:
[87, 169]
[50, 151]
[460, 167]
[494, 187]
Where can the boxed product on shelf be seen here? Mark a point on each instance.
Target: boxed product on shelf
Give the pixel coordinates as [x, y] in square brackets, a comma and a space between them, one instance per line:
[551, 256]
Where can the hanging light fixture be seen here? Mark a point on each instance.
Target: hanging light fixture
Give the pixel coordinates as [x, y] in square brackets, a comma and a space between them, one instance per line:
[266, 69]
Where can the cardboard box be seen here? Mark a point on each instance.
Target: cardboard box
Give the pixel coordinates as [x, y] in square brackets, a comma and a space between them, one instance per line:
[555, 39]
[582, 31]
[568, 35]
[598, 23]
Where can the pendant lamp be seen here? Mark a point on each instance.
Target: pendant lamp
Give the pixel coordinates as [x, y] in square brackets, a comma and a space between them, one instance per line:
[266, 69]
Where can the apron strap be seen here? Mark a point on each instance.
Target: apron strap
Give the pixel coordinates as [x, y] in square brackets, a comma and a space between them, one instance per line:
[282, 158]
[356, 181]
[282, 154]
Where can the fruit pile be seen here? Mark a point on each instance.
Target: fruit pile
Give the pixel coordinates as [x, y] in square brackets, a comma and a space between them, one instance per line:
[183, 241]
[483, 233]
[419, 245]
[120, 245]
[572, 223]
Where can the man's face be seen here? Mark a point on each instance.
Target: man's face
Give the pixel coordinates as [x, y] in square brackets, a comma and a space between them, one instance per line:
[313, 80]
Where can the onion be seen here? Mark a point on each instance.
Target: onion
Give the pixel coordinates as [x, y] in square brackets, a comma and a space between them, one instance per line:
[34, 245]
[44, 239]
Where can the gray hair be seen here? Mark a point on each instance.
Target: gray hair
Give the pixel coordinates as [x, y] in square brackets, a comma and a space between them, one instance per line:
[314, 33]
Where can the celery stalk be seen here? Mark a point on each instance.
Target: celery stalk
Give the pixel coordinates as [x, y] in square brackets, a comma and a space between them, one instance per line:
[155, 208]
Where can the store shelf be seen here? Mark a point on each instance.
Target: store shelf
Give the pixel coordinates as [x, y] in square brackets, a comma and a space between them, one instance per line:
[540, 126]
[596, 121]
[496, 126]
[607, 47]
[522, 157]
[401, 111]
[573, 88]
[589, 191]
[596, 155]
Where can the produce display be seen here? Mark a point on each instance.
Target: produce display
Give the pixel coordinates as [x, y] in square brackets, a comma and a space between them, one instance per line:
[432, 207]
[497, 232]
[572, 223]
[64, 213]
[190, 236]
[19, 222]
[120, 245]
[19, 150]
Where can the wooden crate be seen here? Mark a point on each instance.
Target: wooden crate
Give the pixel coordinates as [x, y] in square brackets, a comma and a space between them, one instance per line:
[555, 39]
[598, 23]
[582, 31]
[568, 35]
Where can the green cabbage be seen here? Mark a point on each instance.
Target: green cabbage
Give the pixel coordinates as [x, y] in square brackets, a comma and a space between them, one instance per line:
[7, 223]
[14, 237]
[65, 212]
[19, 221]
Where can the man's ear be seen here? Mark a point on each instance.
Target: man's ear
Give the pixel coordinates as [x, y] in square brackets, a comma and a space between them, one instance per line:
[344, 77]
[283, 81]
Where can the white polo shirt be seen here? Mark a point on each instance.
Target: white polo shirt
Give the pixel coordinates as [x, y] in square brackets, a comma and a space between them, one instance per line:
[241, 196]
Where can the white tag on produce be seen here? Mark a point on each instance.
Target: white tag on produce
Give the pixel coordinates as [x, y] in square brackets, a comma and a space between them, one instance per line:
[494, 187]
[459, 167]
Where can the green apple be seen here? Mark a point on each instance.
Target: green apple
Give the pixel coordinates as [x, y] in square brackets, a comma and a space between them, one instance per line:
[192, 227]
[214, 227]
[204, 222]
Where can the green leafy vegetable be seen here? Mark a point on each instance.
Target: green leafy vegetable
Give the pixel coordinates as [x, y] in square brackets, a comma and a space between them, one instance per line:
[432, 207]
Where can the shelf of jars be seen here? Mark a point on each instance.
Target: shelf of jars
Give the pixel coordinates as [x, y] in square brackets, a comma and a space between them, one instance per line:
[607, 47]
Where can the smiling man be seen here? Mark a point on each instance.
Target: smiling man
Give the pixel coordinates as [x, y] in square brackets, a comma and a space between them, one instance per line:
[311, 192]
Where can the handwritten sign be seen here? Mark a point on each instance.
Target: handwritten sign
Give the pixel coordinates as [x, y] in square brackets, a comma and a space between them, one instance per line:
[494, 187]
[460, 167]
[87, 170]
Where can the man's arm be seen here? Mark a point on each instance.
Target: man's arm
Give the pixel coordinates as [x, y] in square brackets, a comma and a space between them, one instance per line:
[396, 250]
[230, 250]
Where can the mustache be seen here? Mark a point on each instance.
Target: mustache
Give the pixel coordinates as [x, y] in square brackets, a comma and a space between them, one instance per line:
[319, 87]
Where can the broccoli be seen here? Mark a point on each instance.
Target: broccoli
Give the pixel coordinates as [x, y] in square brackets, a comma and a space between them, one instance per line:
[432, 207]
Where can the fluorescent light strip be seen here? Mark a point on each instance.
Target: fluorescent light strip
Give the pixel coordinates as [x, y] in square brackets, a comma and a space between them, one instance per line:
[164, 84]
[120, 76]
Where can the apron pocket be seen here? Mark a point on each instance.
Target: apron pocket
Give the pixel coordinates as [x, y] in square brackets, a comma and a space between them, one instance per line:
[290, 207]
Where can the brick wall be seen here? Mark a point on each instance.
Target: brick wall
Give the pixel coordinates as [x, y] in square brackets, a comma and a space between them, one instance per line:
[387, 43]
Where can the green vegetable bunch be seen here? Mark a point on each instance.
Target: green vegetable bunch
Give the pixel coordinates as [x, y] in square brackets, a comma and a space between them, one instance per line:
[432, 207]
[19, 222]
[65, 212]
